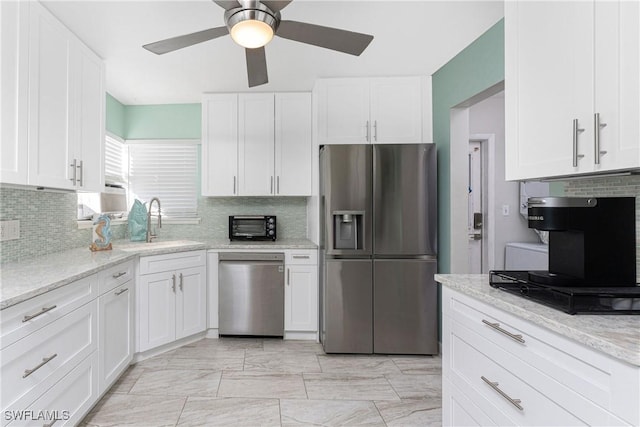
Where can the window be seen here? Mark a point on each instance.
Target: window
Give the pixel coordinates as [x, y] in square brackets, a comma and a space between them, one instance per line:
[167, 170]
[115, 161]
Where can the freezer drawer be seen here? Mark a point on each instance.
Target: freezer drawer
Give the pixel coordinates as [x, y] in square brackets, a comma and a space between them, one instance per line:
[405, 307]
[347, 307]
[251, 294]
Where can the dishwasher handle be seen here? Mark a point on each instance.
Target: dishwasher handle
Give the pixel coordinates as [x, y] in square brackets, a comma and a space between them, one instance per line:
[258, 257]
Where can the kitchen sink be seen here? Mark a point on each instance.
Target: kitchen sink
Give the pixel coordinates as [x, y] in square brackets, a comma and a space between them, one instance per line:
[158, 245]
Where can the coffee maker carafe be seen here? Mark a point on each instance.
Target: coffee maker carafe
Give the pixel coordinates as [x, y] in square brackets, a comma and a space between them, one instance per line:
[592, 240]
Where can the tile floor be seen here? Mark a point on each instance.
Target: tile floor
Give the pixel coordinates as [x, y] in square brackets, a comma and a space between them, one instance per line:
[269, 382]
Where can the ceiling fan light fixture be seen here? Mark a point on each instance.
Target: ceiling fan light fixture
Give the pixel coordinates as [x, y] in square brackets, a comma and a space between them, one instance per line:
[252, 28]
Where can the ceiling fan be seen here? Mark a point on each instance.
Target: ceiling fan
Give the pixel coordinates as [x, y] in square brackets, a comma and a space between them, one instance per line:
[252, 24]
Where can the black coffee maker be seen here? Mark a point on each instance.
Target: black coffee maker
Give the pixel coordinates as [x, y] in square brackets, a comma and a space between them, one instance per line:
[592, 240]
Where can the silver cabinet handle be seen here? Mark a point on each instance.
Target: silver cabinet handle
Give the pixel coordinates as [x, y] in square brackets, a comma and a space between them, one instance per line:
[271, 185]
[367, 127]
[45, 360]
[576, 131]
[494, 385]
[288, 270]
[596, 137]
[173, 287]
[181, 281]
[40, 313]
[81, 180]
[234, 184]
[116, 275]
[74, 167]
[122, 291]
[51, 423]
[278, 184]
[300, 257]
[497, 327]
[375, 130]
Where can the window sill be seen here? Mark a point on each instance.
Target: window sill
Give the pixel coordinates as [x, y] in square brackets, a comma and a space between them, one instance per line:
[84, 224]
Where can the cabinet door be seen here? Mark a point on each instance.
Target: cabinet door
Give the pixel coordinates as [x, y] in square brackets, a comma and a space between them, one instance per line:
[549, 84]
[617, 85]
[115, 331]
[293, 144]
[301, 298]
[396, 110]
[14, 91]
[88, 114]
[343, 111]
[191, 302]
[255, 144]
[50, 153]
[220, 145]
[156, 309]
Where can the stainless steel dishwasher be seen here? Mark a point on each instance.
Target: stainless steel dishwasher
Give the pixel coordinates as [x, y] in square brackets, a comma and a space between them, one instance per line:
[251, 294]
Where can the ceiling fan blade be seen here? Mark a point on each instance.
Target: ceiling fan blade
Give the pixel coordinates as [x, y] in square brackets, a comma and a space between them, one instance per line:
[256, 67]
[175, 43]
[276, 5]
[327, 37]
[227, 4]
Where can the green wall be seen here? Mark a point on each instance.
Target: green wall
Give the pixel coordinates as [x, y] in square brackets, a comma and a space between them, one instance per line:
[115, 117]
[172, 121]
[478, 67]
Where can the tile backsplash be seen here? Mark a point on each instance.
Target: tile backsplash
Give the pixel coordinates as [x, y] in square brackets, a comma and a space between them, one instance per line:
[48, 220]
[621, 186]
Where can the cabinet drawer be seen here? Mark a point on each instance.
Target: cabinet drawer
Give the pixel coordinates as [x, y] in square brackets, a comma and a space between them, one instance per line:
[69, 399]
[170, 262]
[38, 361]
[22, 319]
[575, 366]
[302, 256]
[491, 376]
[115, 276]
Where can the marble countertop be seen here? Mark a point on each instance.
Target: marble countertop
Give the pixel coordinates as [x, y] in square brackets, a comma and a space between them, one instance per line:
[22, 280]
[615, 335]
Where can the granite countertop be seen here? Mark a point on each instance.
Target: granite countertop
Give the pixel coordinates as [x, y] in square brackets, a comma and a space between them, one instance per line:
[22, 280]
[615, 335]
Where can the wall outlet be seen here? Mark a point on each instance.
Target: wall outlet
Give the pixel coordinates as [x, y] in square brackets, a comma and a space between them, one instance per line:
[9, 230]
[505, 210]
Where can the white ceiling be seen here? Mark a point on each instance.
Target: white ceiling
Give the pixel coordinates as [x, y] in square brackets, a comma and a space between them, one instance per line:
[410, 38]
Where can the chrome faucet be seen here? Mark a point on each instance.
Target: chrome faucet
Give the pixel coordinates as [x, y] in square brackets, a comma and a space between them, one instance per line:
[151, 236]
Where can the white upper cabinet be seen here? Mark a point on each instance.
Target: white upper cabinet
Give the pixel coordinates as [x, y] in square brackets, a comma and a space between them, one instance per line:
[220, 145]
[568, 65]
[14, 92]
[256, 144]
[293, 144]
[384, 110]
[53, 101]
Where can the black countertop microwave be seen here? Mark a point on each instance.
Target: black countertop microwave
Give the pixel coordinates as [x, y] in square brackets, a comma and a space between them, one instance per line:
[252, 227]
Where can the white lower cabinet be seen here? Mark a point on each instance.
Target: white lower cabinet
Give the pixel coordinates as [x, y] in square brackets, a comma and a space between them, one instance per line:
[499, 369]
[115, 325]
[172, 298]
[301, 291]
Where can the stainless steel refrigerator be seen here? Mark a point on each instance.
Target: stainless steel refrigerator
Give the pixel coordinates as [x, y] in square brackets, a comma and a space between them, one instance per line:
[378, 249]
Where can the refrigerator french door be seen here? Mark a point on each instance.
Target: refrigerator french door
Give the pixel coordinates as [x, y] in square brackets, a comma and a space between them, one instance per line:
[378, 249]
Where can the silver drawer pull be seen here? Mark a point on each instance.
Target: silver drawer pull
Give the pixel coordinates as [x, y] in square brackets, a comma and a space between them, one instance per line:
[51, 423]
[494, 385]
[122, 273]
[45, 360]
[122, 291]
[41, 312]
[300, 257]
[497, 327]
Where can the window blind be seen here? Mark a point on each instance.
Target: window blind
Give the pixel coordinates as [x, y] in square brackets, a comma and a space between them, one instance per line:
[168, 171]
[115, 161]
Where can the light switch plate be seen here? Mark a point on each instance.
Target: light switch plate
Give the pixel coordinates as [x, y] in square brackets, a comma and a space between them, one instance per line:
[9, 230]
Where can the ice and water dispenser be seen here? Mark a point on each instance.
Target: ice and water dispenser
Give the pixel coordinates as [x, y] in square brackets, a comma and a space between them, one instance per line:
[348, 230]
